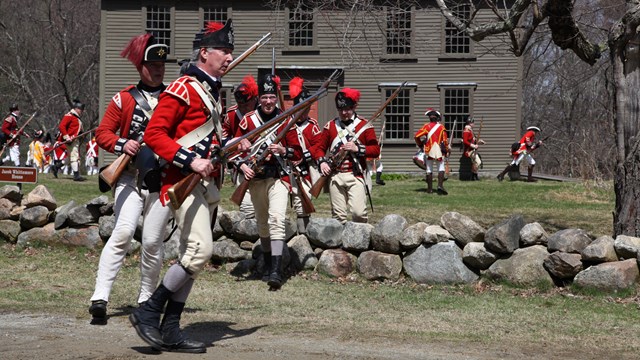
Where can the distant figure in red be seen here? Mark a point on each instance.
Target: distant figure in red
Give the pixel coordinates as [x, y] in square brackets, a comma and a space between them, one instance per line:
[522, 151]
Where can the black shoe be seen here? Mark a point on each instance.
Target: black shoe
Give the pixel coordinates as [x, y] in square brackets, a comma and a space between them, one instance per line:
[98, 311]
[500, 177]
[380, 182]
[442, 191]
[146, 319]
[77, 177]
[173, 338]
[275, 277]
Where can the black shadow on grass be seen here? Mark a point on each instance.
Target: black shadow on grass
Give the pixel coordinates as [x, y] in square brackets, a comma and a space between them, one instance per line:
[210, 332]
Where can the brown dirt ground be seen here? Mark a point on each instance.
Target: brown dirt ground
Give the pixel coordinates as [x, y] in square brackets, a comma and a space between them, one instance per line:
[42, 336]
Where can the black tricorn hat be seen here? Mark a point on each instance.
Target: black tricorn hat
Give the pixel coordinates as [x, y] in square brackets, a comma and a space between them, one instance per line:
[77, 104]
[14, 107]
[215, 36]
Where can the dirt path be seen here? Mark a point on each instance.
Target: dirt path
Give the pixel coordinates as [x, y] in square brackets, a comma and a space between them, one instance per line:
[37, 336]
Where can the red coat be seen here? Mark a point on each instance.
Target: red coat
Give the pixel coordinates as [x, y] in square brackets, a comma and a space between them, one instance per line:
[59, 152]
[289, 141]
[231, 121]
[468, 138]
[70, 125]
[437, 138]
[527, 142]
[10, 128]
[180, 110]
[367, 144]
[114, 126]
[309, 131]
[92, 149]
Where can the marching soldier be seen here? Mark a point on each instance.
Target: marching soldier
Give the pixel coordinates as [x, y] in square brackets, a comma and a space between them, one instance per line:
[269, 183]
[433, 139]
[120, 132]
[522, 150]
[246, 95]
[470, 146]
[92, 157]
[308, 133]
[10, 131]
[183, 128]
[70, 126]
[353, 136]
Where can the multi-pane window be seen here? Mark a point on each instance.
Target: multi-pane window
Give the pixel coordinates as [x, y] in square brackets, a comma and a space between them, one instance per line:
[398, 115]
[218, 14]
[301, 26]
[398, 31]
[159, 23]
[457, 107]
[455, 41]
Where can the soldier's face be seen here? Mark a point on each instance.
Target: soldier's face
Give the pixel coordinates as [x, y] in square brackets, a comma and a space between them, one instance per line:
[268, 103]
[152, 73]
[248, 106]
[215, 61]
[346, 113]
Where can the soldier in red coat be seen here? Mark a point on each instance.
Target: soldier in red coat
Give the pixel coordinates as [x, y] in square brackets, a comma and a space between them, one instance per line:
[246, 96]
[269, 182]
[184, 125]
[432, 137]
[10, 134]
[70, 127]
[470, 144]
[308, 133]
[136, 191]
[522, 150]
[353, 136]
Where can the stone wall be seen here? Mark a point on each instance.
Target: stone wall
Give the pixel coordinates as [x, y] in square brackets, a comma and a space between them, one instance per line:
[457, 250]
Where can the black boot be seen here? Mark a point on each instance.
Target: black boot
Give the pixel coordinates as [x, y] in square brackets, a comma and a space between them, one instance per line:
[530, 175]
[77, 177]
[172, 337]
[379, 181]
[429, 183]
[275, 277]
[146, 319]
[266, 270]
[504, 172]
[98, 311]
[441, 190]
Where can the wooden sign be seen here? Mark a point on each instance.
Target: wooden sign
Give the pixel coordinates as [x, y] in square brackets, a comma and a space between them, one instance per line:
[18, 174]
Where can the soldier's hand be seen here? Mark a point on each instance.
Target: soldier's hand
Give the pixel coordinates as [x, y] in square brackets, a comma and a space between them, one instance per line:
[131, 147]
[350, 146]
[244, 145]
[248, 172]
[202, 167]
[277, 149]
[481, 142]
[325, 169]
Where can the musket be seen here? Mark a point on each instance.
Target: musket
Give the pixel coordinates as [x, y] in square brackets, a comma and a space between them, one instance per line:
[258, 44]
[57, 145]
[395, 94]
[473, 152]
[238, 194]
[240, 191]
[20, 131]
[180, 190]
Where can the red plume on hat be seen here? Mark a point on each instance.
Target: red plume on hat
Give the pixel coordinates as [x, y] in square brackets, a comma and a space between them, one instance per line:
[251, 86]
[295, 86]
[134, 51]
[352, 94]
[213, 26]
[276, 79]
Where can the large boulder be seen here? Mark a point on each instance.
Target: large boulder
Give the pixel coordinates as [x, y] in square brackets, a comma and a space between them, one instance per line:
[81, 216]
[386, 235]
[62, 214]
[569, 241]
[609, 276]
[476, 255]
[226, 250]
[523, 267]
[627, 246]
[12, 193]
[413, 236]
[438, 264]
[600, 250]
[356, 237]
[336, 263]
[325, 233]
[96, 204]
[9, 230]
[504, 237]
[40, 196]
[375, 265]
[34, 217]
[434, 234]
[86, 237]
[462, 228]
[533, 234]
[106, 224]
[302, 255]
[238, 227]
[5, 208]
[562, 265]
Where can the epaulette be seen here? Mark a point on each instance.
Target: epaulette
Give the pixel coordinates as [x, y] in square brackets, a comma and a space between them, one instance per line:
[232, 108]
[117, 99]
[179, 89]
[244, 123]
[313, 121]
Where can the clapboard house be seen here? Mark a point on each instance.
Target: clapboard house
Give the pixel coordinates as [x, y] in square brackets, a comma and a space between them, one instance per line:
[376, 50]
